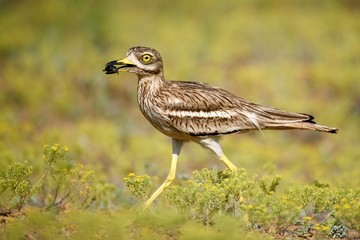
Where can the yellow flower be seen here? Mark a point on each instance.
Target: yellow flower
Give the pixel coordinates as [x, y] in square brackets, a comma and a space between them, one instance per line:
[131, 175]
[317, 227]
[325, 228]
[307, 218]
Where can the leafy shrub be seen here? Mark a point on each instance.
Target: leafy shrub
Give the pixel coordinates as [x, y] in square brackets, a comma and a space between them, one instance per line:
[314, 207]
[57, 186]
[137, 185]
[15, 187]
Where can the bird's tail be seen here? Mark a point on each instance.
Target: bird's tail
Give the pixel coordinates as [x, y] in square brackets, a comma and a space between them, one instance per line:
[280, 119]
[304, 126]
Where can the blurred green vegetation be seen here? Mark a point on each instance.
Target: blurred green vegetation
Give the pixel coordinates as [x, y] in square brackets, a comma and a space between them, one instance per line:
[300, 55]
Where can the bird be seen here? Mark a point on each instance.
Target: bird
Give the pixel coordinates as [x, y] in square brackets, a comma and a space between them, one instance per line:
[198, 112]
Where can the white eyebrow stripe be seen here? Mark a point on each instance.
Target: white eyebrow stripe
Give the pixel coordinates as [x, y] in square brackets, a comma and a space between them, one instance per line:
[202, 114]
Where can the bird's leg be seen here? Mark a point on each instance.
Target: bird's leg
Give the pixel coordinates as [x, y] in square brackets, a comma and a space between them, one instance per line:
[176, 148]
[169, 179]
[228, 163]
[214, 146]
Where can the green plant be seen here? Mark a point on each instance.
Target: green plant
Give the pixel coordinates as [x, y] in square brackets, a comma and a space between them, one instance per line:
[259, 205]
[57, 186]
[137, 185]
[15, 186]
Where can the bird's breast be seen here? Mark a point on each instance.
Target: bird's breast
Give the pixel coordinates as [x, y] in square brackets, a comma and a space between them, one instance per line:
[152, 103]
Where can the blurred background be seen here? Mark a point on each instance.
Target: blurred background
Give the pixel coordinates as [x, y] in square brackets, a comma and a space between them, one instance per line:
[299, 55]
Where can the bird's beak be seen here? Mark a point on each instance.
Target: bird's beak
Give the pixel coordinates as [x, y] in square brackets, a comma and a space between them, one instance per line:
[118, 65]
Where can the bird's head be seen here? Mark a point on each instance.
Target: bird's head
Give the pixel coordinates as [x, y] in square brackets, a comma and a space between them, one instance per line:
[139, 60]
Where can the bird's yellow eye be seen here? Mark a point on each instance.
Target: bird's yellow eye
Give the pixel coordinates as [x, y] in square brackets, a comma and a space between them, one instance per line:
[146, 58]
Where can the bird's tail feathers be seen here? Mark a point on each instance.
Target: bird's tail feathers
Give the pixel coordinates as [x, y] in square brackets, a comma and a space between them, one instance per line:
[304, 126]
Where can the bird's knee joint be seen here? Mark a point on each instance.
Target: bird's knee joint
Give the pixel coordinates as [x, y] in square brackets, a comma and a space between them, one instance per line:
[169, 179]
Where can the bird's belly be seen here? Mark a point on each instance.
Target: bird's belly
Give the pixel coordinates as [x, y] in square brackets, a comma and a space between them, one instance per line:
[165, 126]
[158, 118]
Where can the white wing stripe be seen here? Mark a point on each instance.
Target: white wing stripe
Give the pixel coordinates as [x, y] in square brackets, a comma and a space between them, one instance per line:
[218, 114]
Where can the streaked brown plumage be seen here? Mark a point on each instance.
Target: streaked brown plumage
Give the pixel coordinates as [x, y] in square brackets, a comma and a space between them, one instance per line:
[198, 112]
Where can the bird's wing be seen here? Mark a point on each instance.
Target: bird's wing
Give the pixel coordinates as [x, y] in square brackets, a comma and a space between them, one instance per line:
[200, 109]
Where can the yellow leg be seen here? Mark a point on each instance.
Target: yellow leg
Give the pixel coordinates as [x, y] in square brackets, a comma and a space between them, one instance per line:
[213, 145]
[228, 163]
[176, 146]
[169, 179]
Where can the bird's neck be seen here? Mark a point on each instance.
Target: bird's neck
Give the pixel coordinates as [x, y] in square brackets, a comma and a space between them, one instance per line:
[148, 91]
[149, 85]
